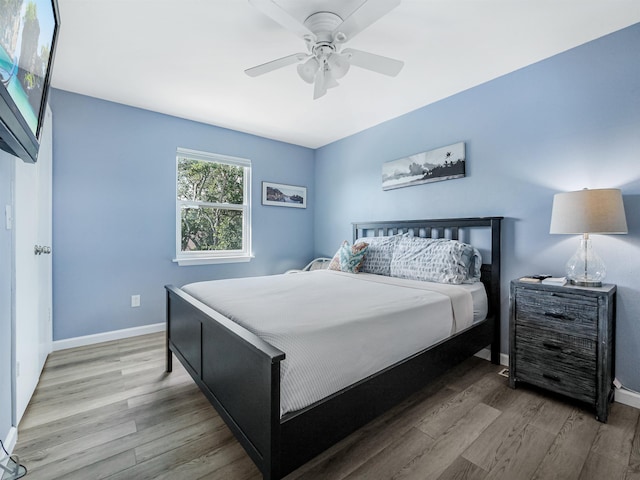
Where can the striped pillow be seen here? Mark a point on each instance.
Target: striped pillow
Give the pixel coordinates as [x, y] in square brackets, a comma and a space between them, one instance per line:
[436, 260]
[379, 254]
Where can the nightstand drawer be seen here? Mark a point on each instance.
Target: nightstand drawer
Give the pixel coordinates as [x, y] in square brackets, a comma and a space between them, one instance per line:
[570, 313]
[574, 352]
[557, 376]
[562, 363]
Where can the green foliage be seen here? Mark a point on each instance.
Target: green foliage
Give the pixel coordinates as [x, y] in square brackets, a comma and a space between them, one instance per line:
[8, 25]
[31, 13]
[204, 226]
[210, 182]
[45, 53]
[30, 80]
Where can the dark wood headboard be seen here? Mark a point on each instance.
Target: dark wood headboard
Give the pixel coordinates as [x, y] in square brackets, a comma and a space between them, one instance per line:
[452, 228]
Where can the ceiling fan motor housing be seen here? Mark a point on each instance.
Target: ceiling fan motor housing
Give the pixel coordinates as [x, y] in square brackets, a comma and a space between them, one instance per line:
[322, 25]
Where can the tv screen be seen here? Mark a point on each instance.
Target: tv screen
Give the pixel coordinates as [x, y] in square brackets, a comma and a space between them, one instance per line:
[28, 33]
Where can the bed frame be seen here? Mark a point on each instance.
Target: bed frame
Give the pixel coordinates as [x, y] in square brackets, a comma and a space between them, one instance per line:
[240, 373]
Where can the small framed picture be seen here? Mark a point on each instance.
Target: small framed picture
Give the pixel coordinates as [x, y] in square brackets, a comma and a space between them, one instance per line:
[280, 195]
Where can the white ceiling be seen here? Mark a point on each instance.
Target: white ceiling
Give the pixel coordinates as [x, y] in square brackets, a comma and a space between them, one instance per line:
[187, 57]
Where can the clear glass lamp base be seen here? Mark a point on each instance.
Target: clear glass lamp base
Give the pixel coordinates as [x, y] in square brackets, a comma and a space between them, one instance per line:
[586, 268]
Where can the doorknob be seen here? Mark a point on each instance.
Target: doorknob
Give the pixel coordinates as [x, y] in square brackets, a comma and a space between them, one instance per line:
[40, 249]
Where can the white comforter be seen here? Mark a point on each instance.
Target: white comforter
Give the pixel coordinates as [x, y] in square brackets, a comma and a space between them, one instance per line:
[337, 328]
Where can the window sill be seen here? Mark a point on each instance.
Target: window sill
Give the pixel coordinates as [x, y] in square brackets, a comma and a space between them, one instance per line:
[185, 262]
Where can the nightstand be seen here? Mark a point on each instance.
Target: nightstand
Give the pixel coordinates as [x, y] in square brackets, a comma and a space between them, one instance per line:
[563, 339]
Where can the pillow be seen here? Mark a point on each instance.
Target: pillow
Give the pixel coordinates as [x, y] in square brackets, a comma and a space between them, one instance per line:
[436, 260]
[379, 254]
[473, 259]
[349, 258]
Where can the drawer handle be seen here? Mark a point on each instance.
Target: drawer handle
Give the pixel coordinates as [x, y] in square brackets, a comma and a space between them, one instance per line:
[559, 316]
[555, 378]
[558, 348]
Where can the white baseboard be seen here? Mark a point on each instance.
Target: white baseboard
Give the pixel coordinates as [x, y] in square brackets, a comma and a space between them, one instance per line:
[107, 336]
[485, 354]
[627, 397]
[10, 441]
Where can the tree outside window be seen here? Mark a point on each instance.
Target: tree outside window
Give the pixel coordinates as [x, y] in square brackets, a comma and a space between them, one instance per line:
[212, 208]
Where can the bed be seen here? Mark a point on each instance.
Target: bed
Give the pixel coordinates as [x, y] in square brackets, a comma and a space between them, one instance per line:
[241, 373]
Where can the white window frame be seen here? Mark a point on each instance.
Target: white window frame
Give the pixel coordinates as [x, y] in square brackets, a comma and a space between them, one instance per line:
[216, 256]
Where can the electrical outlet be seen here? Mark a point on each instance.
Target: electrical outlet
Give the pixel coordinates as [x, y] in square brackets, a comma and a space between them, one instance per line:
[135, 300]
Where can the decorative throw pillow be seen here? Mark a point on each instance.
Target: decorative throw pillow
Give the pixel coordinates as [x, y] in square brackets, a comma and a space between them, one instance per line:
[436, 260]
[379, 254]
[349, 258]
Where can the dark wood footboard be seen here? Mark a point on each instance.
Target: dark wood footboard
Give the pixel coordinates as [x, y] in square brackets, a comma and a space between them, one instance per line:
[305, 433]
[236, 370]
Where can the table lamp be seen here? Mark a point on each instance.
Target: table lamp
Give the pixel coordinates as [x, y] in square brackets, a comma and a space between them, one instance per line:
[584, 212]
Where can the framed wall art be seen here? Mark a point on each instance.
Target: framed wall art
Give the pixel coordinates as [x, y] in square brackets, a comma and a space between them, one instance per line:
[280, 195]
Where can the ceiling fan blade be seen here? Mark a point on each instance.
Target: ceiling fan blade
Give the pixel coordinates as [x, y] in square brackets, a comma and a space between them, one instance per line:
[366, 14]
[284, 18]
[373, 62]
[329, 80]
[319, 88]
[275, 64]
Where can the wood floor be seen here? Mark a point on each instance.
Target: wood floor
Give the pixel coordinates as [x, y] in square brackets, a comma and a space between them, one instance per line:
[110, 411]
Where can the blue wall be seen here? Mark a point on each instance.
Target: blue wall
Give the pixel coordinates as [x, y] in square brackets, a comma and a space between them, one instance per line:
[114, 211]
[6, 279]
[569, 122]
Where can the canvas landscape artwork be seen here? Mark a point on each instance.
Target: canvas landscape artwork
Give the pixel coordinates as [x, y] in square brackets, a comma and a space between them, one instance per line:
[443, 163]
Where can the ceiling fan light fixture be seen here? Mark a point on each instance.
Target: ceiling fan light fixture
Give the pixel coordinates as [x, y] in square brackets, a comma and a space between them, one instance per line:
[308, 70]
[339, 64]
[319, 87]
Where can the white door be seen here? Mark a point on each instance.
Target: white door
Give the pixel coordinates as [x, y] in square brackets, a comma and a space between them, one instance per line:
[32, 216]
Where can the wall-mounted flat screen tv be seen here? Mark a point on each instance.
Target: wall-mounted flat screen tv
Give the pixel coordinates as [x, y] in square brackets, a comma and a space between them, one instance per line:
[28, 34]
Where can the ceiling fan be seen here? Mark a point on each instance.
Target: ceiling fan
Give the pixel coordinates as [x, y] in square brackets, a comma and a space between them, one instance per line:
[324, 34]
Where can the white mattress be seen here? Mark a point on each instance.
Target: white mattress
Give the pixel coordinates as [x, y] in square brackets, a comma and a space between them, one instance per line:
[338, 328]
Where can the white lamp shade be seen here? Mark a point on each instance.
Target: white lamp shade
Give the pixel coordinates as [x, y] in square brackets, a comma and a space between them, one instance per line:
[588, 211]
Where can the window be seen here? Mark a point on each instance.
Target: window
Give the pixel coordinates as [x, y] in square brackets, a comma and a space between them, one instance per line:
[213, 211]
